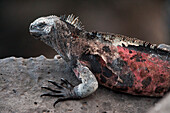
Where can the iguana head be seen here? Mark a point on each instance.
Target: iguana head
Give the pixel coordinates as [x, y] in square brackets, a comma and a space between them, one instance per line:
[42, 26]
[56, 32]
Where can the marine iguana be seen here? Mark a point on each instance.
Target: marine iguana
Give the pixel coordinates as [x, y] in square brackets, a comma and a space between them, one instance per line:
[115, 61]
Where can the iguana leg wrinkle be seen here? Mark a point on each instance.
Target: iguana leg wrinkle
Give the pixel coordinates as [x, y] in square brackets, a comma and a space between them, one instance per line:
[66, 91]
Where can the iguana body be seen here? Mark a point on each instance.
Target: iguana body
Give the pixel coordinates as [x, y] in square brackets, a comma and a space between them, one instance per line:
[118, 62]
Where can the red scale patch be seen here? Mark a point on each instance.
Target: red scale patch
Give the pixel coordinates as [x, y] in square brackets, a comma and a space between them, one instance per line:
[150, 71]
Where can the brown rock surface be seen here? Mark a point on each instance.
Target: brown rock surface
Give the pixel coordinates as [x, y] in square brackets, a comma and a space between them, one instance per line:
[20, 90]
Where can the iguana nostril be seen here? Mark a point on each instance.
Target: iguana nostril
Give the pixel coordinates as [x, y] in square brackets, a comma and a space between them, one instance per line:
[32, 27]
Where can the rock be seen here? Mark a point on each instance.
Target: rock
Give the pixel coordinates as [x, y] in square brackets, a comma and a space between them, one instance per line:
[20, 90]
[163, 106]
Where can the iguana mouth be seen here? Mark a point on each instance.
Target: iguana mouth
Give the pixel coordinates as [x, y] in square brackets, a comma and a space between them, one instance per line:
[35, 34]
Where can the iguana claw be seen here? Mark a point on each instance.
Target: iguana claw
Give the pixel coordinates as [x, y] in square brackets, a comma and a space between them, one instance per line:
[64, 91]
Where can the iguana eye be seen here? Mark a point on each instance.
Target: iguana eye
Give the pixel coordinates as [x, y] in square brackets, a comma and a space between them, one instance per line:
[41, 25]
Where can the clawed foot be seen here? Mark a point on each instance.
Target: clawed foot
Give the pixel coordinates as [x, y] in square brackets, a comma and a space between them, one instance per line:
[64, 91]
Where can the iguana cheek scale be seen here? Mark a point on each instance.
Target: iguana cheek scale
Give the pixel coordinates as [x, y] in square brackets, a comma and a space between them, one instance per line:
[118, 62]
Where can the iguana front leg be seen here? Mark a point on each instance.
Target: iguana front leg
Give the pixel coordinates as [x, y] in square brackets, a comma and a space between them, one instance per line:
[66, 91]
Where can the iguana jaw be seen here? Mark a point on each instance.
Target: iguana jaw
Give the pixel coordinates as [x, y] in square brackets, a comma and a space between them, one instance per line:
[35, 33]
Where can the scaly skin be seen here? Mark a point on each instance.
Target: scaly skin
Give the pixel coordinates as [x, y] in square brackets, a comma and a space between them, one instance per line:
[118, 62]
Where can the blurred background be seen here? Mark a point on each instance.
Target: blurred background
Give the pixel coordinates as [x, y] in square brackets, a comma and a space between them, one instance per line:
[144, 19]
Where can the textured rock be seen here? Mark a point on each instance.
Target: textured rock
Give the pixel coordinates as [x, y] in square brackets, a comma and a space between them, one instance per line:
[20, 90]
